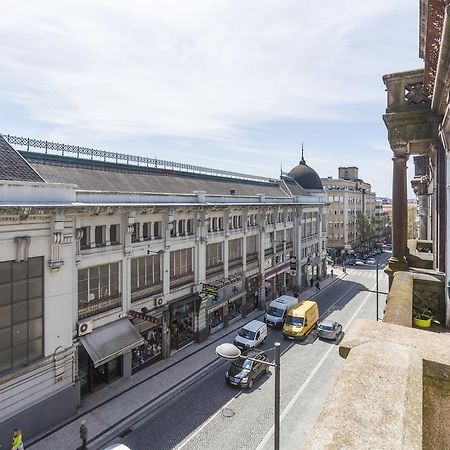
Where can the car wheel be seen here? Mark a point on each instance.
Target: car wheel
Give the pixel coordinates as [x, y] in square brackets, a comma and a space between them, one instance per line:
[250, 384]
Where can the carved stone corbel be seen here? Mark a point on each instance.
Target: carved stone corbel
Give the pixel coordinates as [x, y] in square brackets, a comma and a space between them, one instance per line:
[22, 247]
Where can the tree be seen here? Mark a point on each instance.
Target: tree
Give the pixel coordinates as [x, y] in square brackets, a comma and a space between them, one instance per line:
[365, 226]
[412, 221]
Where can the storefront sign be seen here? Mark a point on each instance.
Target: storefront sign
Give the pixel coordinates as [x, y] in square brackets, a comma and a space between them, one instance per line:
[146, 317]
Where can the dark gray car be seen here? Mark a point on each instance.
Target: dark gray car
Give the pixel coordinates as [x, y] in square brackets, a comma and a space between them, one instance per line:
[329, 329]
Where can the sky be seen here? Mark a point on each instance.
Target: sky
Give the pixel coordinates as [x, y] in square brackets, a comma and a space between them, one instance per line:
[229, 84]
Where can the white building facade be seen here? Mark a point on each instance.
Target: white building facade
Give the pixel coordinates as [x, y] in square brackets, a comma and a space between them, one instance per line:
[112, 250]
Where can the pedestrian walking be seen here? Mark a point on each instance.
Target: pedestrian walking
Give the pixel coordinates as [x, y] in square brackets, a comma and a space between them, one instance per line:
[17, 440]
[311, 281]
[332, 273]
[83, 434]
[318, 286]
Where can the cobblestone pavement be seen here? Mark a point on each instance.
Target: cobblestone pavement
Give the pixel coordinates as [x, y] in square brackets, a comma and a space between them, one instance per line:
[213, 415]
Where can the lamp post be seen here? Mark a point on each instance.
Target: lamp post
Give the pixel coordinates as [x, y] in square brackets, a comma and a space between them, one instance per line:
[377, 290]
[230, 351]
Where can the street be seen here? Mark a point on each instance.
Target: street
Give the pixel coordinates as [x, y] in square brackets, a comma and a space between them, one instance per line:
[213, 415]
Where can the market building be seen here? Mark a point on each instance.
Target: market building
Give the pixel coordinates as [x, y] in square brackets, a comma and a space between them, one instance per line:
[111, 262]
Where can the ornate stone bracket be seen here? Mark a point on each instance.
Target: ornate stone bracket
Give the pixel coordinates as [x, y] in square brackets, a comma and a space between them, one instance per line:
[22, 247]
[56, 262]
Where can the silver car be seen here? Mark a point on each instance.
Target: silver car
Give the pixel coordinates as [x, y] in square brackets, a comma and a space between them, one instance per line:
[329, 329]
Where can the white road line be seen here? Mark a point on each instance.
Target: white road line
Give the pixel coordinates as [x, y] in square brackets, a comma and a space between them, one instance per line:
[185, 442]
[294, 399]
[338, 300]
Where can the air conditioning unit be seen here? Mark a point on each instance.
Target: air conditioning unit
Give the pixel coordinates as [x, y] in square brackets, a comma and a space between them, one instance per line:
[84, 327]
[159, 301]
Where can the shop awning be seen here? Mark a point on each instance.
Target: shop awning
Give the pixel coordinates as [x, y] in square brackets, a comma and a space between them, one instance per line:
[110, 341]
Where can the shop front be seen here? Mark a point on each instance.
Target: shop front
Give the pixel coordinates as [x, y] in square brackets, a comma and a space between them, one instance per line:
[252, 288]
[182, 321]
[101, 354]
[224, 303]
[151, 330]
[275, 281]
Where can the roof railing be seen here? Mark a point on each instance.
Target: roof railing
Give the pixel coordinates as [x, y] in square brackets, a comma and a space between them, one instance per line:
[48, 147]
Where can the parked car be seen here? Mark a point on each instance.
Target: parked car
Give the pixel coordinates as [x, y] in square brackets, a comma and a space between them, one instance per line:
[358, 262]
[243, 372]
[371, 261]
[329, 329]
[276, 312]
[251, 335]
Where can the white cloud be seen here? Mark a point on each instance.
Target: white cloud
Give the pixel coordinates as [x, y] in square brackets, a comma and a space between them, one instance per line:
[198, 69]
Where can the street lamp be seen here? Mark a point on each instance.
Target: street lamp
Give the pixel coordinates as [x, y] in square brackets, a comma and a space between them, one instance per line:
[230, 351]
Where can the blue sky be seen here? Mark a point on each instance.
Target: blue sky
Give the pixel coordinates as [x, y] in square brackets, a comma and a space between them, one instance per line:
[223, 83]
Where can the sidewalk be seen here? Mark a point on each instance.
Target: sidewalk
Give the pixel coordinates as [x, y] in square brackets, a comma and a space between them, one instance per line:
[115, 408]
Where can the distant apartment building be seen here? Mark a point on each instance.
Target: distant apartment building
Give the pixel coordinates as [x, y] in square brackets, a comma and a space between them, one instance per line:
[350, 199]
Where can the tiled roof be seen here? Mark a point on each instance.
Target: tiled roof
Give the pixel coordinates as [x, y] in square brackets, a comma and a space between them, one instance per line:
[101, 176]
[13, 167]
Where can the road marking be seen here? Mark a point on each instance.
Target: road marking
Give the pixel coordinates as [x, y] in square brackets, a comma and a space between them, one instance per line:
[294, 399]
[338, 300]
[184, 443]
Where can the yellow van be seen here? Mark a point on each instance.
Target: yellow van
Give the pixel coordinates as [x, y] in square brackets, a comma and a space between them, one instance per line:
[300, 320]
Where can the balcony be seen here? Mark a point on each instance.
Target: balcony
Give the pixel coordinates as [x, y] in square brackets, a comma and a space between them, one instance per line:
[252, 261]
[98, 306]
[140, 293]
[402, 372]
[181, 280]
[214, 270]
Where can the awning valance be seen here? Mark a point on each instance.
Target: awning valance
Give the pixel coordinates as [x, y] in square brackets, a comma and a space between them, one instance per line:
[110, 341]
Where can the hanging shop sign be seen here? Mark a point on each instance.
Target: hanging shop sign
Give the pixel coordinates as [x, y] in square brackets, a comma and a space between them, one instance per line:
[144, 316]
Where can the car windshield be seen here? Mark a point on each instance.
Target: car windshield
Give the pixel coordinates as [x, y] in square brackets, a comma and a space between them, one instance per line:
[244, 364]
[298, 321]
[326, 327]
[277, 312]
[247, 334]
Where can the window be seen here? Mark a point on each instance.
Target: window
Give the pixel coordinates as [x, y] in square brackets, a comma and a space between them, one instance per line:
[135, 233]
[147, 230]
[234, 249]
[157, 229]
[214, 254]
[252, 245]
[21, 312]
[181, 262]
[101, 282]
[85, 241]
[100, 240]
[145, 271]
[114, 234]
[190, 226]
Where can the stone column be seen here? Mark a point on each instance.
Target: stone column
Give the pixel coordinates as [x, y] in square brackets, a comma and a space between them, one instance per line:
[442, 201]
[399, 213]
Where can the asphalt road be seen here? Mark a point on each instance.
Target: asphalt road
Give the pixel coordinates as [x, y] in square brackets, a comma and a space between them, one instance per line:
[213, 415]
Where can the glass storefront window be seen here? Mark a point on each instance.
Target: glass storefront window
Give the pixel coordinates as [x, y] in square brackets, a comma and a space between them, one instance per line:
[216, 318]
[235, 309]
[182, 326]
[149, 352]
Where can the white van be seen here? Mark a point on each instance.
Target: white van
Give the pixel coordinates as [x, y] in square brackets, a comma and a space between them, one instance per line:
[251, 335]
[276, 312]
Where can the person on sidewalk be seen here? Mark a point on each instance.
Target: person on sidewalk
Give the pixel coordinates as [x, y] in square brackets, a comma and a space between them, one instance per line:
[83, 434]
[17, 440]
[318, 286]
[332, 273]
[311, 281]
